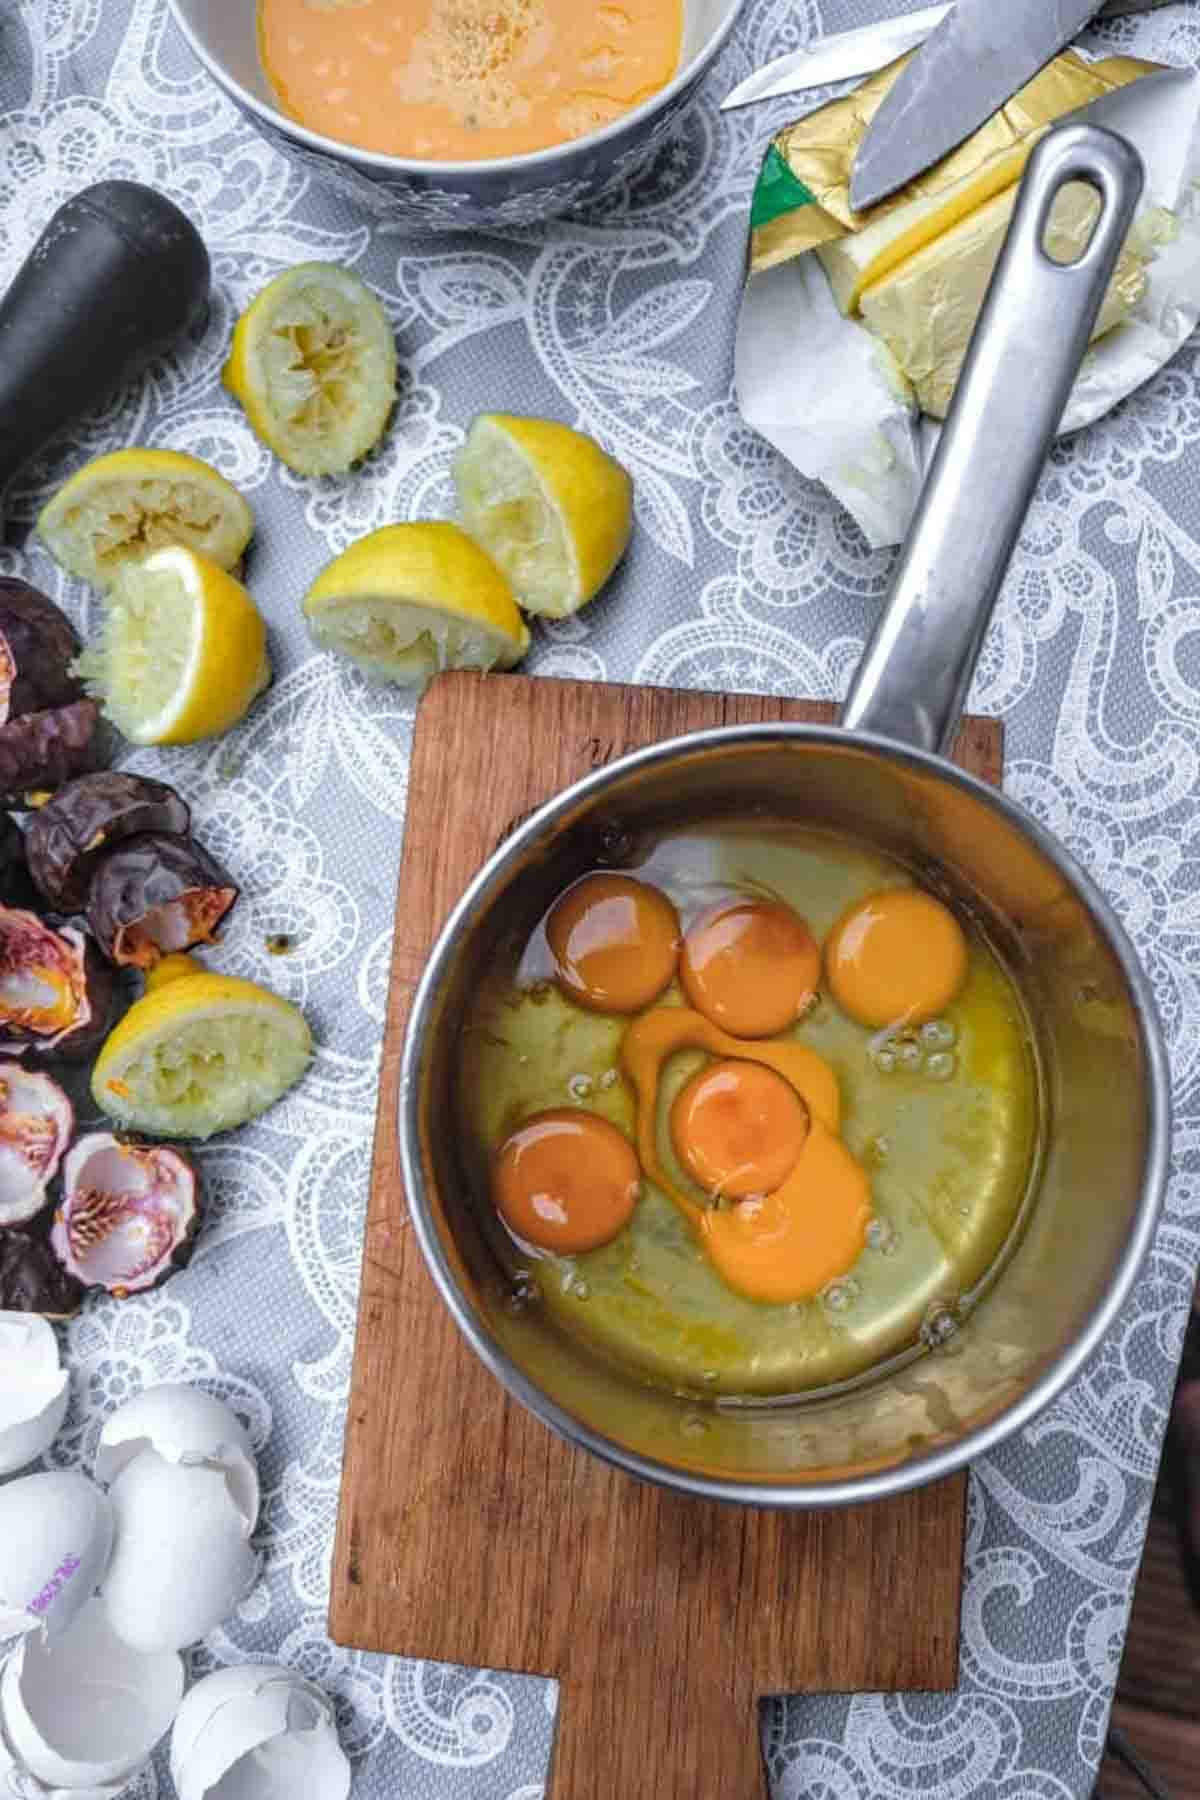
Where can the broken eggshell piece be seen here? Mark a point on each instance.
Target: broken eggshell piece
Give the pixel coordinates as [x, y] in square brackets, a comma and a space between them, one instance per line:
[36, 1122]
[156, 894]
[182, 1560]
[56, 1533]
[55, 993]
[185, 1425]
[185, 1496]
[86, 1710]
[34, 1389]
[65, 839]
[128, 1214]
[259, 1732]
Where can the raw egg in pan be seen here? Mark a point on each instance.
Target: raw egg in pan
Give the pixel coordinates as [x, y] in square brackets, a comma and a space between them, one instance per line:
[614, 941]
[751, 966]
[898, 957]
[566, 1181]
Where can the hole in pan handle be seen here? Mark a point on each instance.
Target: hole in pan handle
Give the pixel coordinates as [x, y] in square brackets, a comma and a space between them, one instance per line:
[1033, 329]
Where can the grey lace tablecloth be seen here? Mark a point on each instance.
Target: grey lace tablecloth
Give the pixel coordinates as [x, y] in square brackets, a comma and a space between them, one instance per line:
[742, 576]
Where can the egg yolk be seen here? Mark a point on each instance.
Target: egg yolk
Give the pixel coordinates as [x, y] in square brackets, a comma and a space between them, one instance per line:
[896, 958]
[786, 1245]
[566, 1181]
[615, 942]
[738, 1128]
[751, 966]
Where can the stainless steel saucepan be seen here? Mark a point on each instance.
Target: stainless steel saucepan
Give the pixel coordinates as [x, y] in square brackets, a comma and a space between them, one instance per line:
[881, 776]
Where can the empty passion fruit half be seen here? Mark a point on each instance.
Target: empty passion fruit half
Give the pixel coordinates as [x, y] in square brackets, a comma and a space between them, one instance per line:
[156, 894]
[36, 1121]
[66, 838]
[55, 992]
[128, 1215]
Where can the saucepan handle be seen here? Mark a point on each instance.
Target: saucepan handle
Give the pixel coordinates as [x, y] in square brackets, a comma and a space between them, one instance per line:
[1034, 327]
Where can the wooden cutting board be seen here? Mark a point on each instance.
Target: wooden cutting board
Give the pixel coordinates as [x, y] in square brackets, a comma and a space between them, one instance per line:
[468, 1532]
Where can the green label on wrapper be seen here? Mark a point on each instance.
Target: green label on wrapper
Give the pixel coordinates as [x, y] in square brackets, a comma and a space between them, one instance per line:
[777, 191]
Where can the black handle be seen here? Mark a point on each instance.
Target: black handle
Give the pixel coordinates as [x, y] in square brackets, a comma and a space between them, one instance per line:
[115, 278]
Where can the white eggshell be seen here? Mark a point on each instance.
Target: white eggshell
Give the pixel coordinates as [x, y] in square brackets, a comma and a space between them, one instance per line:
[56, 1533]
[185, 1425]
[258, 1732]
[33, 1389]
[85, 1710]
[182, 1560]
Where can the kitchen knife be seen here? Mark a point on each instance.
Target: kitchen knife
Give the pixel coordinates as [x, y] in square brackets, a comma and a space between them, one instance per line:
[860, 52]
[970, 64]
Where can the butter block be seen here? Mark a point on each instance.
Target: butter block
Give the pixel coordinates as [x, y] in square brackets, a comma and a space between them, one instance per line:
[855, 263]
[925, 309]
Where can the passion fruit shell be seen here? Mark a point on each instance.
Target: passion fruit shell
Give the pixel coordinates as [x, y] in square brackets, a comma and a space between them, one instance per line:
[66, 839]
[156, 894]
[33, 1280]
[36, 1122]
[16, 887]
[41, 750]
[38, 644]
[55, 992]
[128, 1215]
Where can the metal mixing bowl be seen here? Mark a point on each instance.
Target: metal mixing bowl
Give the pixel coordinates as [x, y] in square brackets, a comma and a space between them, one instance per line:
[512, 190]
[985, 1369]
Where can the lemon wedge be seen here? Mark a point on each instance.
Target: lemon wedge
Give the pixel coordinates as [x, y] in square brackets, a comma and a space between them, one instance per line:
[548, 504]
[181, 653]
[200, 1054]
[118, 507]
[175, 967]
[313, 364]
[408, 600]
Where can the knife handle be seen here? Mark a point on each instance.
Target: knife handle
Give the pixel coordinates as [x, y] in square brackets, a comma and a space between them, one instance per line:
[1033, 329]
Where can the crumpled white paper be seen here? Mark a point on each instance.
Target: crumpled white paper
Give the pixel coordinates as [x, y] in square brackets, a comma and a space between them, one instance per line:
[818, 385]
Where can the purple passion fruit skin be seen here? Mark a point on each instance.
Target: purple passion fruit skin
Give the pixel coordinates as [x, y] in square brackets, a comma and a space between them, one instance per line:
[16, 887]
[33, 1280]
[41, 750]
[128, 1215]
[154, 895]
[55, 992]
[36, 1122]
[38, 644]
[67, 838]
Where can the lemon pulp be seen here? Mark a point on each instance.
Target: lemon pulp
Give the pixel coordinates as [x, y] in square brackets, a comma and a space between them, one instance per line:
[552, 508]
[313, 363]
[119, 507]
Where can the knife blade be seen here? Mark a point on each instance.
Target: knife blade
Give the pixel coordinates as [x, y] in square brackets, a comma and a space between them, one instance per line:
[860, 52]
[837, 58]
[971, 63]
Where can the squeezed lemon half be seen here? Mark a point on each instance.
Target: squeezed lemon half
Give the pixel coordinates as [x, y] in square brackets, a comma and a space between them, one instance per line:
[201, 1054]
[408, 600]
[313, 364]
[181, 653]
[552, 508]
[119, 507]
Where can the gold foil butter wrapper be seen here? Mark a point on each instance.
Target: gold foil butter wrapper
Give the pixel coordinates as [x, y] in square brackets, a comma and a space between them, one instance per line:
[803, 193]
[830, 394]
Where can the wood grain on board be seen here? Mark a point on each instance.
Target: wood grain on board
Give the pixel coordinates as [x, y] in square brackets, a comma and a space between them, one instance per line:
[468, 1532]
